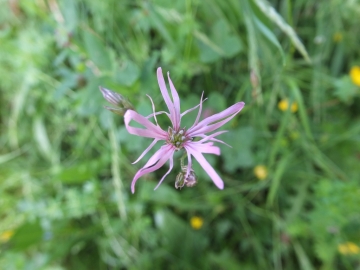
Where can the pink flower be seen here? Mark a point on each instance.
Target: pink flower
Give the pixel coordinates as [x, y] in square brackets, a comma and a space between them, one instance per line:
[177, 138]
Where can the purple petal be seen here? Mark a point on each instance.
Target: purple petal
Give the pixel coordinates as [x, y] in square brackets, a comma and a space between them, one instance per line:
[190, 110]
[206, 138]
[159, 158]
[111, 97]
[212, 137]
[176, 99]
[204, 127]
[153, 108]
[170, 168]
[206, 166]
[220, 141]
[150, 131]
[199, 113]
[157, 113]
[166, 96]
[146, 150]
[207, 148]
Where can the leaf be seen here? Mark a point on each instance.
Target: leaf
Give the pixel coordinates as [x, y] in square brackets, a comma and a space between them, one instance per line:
[128, 73]
[240, 155]
[275, 183]
[221, 43]
[274, 16]
[9, 156]
[42, 138]
[269, 35]
[26, 235]
[97, 51]
[78, 173]
[345, 90]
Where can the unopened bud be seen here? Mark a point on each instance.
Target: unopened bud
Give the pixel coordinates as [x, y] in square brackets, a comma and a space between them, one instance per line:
[182, 180]
[190, 181]
[118, 111]
[122, 103]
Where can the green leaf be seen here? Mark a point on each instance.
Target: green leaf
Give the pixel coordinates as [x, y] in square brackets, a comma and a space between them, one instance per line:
[274, 16]
[269, 35]
[97, 51]
[345, 90]
[26, 235]
[78, 173]
[127, 74]
[42, 139]
[240, 155]
[221, 43]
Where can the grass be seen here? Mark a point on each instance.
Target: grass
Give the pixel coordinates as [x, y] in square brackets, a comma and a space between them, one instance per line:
[65, 162]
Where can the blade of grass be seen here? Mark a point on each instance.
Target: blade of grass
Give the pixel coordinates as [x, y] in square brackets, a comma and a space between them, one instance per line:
[279, 171]
[302, 109]
[115, 169]
[274, 16]
[252, 50]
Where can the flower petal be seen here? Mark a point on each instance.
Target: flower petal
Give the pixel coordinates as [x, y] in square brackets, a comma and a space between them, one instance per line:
[205, 125]
[206, 138]
[176, 99]
[150, 131]
[166, 96]
[206, 166]
[170, 168]
[146, 150]
[155, 162]
[200, 109]
[190, 110]
[208, 148]
[212, 137]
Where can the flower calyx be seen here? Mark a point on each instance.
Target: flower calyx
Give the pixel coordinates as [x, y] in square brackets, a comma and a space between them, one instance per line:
[182, 180]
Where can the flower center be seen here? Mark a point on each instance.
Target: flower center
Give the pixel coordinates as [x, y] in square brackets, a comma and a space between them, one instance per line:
[176, 138]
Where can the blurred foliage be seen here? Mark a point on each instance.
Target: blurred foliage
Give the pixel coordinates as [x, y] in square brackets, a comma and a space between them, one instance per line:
[65, 162]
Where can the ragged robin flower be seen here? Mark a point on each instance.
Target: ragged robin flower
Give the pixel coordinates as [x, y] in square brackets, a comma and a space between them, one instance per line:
[195, 140]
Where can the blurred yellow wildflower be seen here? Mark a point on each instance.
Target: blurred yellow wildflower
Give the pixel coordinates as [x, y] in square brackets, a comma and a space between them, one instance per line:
[337, 37]
[196, 222]
[6, 235]
[355, 75]
[283, 105]
[294, 135]
[260, 172]
[348, 248]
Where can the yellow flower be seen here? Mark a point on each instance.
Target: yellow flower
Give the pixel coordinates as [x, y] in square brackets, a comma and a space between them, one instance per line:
[260, 172]
[337, 37]
[6, 235]
[196, 222]
[283, 105]
[355, 75]
[294, 135]
[348, 248]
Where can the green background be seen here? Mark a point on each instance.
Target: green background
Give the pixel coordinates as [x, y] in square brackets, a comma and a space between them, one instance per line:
[65, 161]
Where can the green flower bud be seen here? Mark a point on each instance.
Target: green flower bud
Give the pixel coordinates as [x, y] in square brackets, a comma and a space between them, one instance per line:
[122, 103]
